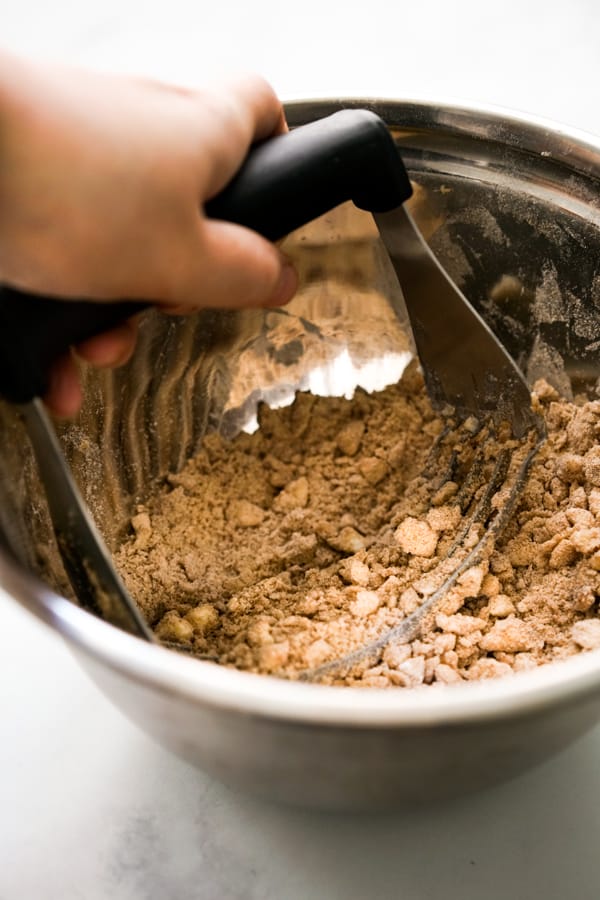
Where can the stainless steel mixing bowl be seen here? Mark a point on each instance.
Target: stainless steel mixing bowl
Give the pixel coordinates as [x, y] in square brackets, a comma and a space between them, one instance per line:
[512, 207]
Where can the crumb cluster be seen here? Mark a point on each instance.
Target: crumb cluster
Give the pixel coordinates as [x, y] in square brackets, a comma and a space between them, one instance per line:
[285, 550]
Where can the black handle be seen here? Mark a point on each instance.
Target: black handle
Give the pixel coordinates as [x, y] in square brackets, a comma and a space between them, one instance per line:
[290, 180]
[36, 330]
[284, 183]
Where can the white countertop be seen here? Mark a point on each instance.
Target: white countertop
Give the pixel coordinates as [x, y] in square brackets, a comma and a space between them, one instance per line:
[89, 807]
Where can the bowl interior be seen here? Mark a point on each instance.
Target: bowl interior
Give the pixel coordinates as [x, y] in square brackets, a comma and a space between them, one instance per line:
[513, 213]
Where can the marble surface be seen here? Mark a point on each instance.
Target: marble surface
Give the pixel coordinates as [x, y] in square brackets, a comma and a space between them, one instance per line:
[89, 807]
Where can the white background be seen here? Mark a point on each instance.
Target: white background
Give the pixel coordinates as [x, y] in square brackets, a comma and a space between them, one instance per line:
[89, 807]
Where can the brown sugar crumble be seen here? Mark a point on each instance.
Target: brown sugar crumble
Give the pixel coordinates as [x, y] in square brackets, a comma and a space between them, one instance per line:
[282, 551]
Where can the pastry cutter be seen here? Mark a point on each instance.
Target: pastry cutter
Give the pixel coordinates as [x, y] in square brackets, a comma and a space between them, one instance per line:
[284, 183]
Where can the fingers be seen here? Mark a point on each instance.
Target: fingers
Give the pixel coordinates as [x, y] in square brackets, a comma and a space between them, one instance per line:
[261, 107]
[251, 104]
[225, 265]
[108, 350]
[113, 348]
[247, 111]
[233, 267]
[63, 397]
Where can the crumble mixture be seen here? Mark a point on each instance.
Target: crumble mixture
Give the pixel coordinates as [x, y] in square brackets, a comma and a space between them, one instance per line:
[286, 550]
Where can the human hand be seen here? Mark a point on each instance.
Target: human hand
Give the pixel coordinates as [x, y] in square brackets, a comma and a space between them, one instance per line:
[102, 182]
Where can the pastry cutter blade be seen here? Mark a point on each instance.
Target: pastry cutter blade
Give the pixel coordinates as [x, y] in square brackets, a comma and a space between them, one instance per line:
[464, 364]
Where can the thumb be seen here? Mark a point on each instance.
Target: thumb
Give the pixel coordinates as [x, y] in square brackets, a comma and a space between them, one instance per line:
[236, 268]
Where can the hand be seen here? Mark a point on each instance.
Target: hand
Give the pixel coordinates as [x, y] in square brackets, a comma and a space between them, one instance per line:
[102, 182]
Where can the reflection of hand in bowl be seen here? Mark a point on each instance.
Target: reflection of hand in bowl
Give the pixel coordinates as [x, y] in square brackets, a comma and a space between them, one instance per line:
[503, 209]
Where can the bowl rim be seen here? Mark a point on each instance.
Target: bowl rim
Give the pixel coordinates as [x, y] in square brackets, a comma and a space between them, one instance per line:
[263, 696]
[537, 135]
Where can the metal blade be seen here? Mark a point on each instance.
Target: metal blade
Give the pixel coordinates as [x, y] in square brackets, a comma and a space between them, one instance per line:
[86, 559]
[464, 363]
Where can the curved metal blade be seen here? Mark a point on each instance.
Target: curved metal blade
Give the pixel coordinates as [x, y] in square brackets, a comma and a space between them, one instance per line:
[464, 363]
[86, 559]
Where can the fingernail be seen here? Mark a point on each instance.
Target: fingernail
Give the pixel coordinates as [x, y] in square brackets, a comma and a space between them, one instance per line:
[286, 286]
